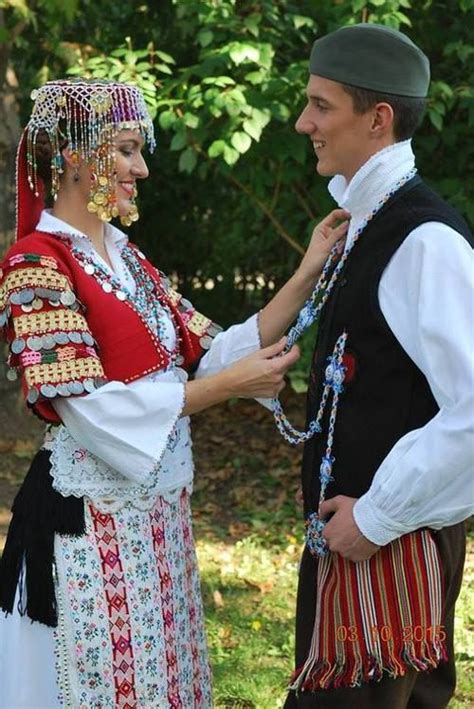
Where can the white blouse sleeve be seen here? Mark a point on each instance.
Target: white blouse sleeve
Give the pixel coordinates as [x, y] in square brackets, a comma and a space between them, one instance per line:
[426, 295]
[230, 345]
[126, 425]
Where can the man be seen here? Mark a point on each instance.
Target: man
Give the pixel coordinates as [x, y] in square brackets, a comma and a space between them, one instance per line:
[375, 615]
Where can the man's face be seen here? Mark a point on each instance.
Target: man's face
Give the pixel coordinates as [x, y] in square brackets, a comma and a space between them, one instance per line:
[341, 138]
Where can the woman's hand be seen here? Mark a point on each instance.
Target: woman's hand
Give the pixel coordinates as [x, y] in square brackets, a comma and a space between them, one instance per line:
[325, 235]
[261, 374]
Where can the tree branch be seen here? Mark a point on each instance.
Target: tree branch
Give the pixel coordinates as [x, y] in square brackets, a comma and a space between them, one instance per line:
[303, 202]
[267, 211]
[276, 193]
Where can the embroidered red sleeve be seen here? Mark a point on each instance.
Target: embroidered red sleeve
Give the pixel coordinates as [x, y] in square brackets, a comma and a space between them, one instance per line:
[50, 344]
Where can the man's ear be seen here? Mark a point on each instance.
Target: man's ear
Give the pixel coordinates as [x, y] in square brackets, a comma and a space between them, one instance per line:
[382, 120]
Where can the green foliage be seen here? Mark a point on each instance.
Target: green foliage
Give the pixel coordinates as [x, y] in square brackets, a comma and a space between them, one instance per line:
[233, 187]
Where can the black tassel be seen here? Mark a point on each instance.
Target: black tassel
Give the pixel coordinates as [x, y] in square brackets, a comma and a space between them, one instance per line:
[39, 512]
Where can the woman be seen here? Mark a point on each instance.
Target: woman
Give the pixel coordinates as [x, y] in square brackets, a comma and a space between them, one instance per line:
[100, 552]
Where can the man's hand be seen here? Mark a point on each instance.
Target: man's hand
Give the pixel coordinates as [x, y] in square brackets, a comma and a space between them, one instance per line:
[342, 533]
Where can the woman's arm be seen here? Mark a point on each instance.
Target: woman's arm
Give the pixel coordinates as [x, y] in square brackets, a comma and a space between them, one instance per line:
[260, 374]
[128, 425]
[279, 313]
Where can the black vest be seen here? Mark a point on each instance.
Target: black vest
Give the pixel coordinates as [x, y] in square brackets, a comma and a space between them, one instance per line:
[388, 395]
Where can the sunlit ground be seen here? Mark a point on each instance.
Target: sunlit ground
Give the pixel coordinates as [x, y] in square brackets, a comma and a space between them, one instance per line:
[249, 593]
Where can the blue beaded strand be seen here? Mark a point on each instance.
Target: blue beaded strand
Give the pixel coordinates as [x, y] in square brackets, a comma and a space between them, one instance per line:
[334, 374]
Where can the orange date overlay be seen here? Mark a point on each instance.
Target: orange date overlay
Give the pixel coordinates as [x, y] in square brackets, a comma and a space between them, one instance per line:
[385, 633]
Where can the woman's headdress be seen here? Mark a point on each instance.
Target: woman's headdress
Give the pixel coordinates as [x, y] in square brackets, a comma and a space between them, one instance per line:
[87, 115]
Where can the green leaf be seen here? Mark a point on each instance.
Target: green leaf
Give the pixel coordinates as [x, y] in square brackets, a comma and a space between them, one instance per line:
[241, 52]
[215, 111]
[231, 155]
[252, 23]
[205, 37]
[241, 141]
[219, 80]
[300, 21]
[216, 148]
[262, 118]
[436, 119]
[237, 96]
[254, 77]
[187, 160]
[179, 140]
[402, 18]
[167, 58]
[164, 68]
[439, 107]
[190, 120]
[253, 128]
[167, 119]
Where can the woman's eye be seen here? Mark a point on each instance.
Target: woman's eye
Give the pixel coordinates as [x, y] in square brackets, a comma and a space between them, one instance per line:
[127, 153]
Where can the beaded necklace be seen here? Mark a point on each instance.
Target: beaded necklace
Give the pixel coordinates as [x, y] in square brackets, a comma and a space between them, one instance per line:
[148, 300]
[334, 374]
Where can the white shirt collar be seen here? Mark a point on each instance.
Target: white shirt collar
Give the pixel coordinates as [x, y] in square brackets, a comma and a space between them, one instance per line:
[373, 180]
[115, 240]
[53, 225]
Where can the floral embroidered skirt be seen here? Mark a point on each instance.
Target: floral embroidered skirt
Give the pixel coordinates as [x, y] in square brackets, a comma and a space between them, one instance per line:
[130, 628]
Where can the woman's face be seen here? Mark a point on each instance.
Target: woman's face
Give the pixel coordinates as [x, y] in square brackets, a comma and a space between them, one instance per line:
[130, 166]
[120, 187]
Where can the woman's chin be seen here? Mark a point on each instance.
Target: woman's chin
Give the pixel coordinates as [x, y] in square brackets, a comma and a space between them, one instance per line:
[124, 207]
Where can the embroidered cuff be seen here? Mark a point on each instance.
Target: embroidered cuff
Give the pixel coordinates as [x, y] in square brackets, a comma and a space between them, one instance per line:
[374, 524]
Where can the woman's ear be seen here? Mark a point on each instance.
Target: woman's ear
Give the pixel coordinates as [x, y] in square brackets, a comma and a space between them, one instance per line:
[73, 160]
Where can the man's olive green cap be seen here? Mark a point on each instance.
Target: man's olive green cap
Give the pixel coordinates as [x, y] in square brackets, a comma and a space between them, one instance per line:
[372, 57]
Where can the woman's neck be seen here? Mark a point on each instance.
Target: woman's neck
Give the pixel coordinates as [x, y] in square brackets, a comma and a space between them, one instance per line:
[72, 209]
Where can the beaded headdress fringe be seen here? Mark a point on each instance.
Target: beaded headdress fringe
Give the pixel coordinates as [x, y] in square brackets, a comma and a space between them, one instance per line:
[88, 115]
[83, 113]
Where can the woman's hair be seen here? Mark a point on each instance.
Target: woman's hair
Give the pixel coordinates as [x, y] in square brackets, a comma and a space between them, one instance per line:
[408, 112]
[44, 155]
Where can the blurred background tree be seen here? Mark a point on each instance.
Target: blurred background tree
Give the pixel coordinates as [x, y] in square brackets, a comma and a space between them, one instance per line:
[233, 193]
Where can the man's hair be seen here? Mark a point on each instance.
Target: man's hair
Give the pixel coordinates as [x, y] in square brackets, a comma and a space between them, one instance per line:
[408, 112]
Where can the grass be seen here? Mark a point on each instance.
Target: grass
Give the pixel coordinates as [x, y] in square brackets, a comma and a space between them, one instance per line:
[249, 593]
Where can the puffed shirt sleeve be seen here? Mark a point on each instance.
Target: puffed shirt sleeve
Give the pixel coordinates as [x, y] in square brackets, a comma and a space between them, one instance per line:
[426, 295]
[126, 425]
[129, 425]
[229, 346]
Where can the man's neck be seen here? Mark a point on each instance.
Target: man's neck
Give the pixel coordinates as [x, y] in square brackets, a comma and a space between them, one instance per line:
[372, 149]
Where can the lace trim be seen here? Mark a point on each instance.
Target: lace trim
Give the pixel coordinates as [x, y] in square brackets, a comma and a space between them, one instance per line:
[78, 472]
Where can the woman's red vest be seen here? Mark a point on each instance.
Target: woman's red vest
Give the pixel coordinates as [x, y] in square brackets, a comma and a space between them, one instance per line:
[46, 291]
